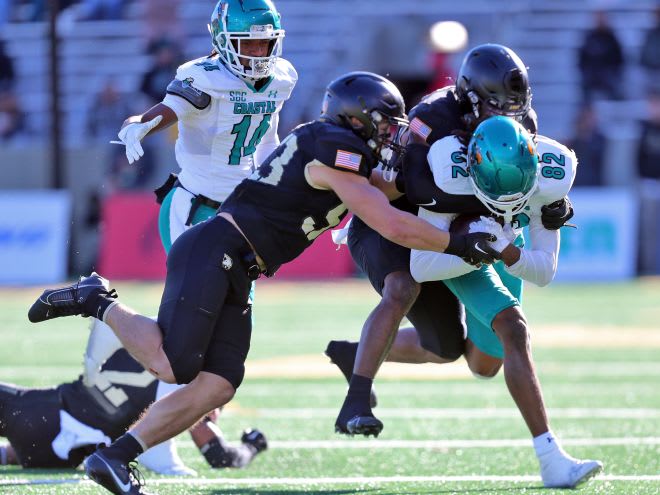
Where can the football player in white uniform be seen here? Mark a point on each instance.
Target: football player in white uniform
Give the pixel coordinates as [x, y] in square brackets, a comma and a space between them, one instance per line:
[513, 177]
[226, 106]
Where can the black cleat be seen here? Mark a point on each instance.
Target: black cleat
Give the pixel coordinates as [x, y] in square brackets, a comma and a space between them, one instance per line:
[69, 301]
[114, 475]
[342, 353]
[360, 425]
[255, 438]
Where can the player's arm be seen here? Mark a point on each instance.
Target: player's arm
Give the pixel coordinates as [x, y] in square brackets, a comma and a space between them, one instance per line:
[372, 206]
[387, 187]
[538, 264]
[426, 266]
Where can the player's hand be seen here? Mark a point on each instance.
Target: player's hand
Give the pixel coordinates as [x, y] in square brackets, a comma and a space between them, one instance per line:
[555, 215]
[132, 134]
[473, 248]
[491, 226]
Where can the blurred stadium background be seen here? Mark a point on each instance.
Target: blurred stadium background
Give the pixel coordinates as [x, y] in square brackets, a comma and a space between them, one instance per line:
[116, 56]
[70, 203]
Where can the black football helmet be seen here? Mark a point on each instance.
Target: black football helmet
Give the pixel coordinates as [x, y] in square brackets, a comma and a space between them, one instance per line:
[493, 81]
[372, 100]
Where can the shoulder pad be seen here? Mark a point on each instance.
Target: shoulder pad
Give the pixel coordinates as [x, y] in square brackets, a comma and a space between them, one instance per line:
[449, 166]
[557, 167]
[436, 116]
[188, 92]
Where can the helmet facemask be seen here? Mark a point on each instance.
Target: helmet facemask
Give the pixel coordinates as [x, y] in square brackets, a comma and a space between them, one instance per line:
[228, 45]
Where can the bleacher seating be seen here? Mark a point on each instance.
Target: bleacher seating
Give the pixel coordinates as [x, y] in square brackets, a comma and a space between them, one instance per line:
[322, 37]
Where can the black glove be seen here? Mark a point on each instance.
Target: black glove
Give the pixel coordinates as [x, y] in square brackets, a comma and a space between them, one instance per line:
[473, 248]
[556, 214]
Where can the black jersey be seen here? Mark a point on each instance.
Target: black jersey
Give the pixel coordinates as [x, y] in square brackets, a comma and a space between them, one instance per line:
[113, 398]
[278, 210]
[438, 115]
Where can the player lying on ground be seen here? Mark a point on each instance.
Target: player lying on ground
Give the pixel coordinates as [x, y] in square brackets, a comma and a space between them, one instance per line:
[57, 427]
[501, 167]
[204, 325]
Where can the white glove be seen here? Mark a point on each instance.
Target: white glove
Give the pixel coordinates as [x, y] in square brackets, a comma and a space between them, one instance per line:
[509, 233]
[490, 225]
[132, 134]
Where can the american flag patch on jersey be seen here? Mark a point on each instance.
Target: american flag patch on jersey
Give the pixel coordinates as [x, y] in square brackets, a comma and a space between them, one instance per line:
[348, 160]
[420, 128]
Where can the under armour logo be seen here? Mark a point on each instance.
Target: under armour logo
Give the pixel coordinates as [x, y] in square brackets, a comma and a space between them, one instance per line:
[272, 94]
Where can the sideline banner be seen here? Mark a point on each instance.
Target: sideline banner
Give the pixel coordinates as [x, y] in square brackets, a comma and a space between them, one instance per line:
[130, 243]
[604, 246]
[34, 236]
[131, 247]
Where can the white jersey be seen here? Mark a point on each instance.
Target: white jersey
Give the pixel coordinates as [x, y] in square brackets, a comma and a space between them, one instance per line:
[537, 264]
[220, 145]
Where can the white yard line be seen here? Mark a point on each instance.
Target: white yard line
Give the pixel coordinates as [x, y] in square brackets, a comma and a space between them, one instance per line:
[360, 443]
[335, 481]
[453, 413]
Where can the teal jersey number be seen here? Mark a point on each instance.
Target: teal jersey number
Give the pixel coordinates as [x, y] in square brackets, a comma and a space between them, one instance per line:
[553, 172]
[241, 130]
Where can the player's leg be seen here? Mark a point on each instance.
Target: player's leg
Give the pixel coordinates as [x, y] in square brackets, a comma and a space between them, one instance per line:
[386, 264]
[438, 333]
[206, 320]
[498, 330]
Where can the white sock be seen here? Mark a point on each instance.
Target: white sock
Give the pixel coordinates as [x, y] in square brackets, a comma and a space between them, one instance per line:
[546, 446]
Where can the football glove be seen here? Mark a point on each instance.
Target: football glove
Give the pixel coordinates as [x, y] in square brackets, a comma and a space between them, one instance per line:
[473, 248]
[556, 214]
[491, 226]
[132, 134]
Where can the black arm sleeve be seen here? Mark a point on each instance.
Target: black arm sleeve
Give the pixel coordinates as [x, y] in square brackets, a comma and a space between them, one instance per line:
[421, 189]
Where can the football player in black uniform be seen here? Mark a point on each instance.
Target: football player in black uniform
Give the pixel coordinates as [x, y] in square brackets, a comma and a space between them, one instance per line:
[57, 427]
[202, 335]
[491, 81]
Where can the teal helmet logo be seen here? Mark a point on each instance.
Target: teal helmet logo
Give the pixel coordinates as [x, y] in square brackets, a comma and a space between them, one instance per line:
[235, 21]
[503, 165]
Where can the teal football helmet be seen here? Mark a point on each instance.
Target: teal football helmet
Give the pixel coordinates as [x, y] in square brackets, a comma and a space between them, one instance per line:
[233, 21]
[503, 165]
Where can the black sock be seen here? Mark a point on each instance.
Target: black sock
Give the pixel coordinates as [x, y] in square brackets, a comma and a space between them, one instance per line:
[96, 305]
[359, 389]
[126, 448]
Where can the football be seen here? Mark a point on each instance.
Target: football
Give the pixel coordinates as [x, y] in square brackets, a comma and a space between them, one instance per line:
[461, 224]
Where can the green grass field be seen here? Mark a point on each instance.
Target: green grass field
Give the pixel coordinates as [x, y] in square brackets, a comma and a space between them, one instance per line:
[597, 349]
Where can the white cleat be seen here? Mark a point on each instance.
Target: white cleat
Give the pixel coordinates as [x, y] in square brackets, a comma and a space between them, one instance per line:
[566, 472]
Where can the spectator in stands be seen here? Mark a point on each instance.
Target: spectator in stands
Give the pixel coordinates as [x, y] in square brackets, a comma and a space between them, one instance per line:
[589, 146]
[107, 112]
[648, 153]
[650, 54]
[12, 118]
[159, 13]
[600, 59]
[167, 57]
[7, 74]
[648, 166]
